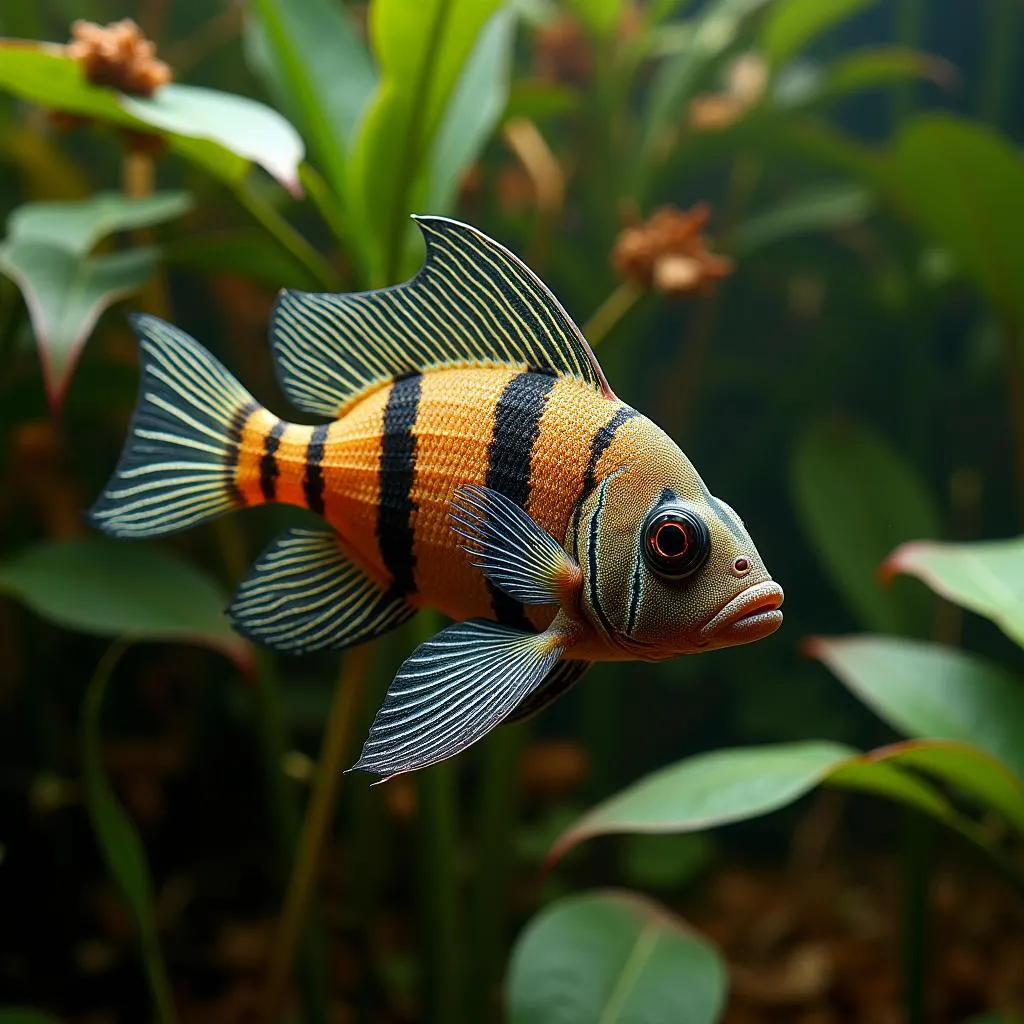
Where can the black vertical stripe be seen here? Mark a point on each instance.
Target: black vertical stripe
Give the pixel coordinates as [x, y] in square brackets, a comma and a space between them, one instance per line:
[313, 481]
[397, 469]
[602, 442]
[516, 429]
[235, 428]
[595, 525]
[269, 471]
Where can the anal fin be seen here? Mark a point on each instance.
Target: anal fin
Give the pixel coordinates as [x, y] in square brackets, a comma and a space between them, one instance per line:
[305, 594]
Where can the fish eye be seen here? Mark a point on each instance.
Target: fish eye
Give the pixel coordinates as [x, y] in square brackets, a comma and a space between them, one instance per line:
[676, 542]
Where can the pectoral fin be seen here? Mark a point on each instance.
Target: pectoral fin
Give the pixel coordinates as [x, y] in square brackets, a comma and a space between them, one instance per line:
[452, 690]
[511, 550]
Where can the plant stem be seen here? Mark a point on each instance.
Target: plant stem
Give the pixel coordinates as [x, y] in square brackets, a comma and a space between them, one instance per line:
[1001, 44]
[439, 923]
[610, 312]
[917, 848]
[1015, 381]
[138, 180]
[908, 29]
[409, 162]
[496, 817]
[287, 237]
[103, 807]
[284, 813]
[317, 825]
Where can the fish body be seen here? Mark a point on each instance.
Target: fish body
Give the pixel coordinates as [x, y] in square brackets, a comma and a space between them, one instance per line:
[475, 461]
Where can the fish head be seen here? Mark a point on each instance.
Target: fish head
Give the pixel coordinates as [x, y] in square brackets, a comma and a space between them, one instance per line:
[667, 567]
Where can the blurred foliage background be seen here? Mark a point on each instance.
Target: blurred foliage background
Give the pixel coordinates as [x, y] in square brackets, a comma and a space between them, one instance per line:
[794, 232]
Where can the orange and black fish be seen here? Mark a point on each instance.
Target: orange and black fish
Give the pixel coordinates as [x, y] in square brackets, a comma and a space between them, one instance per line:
[476, 462]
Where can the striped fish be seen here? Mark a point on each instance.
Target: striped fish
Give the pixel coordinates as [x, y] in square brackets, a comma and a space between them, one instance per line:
[473, 460]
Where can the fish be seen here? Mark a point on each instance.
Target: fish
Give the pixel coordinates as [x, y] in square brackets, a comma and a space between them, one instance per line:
[469, 457]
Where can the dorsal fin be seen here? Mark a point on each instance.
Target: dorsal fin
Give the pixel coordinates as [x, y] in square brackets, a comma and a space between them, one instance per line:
[471, 303]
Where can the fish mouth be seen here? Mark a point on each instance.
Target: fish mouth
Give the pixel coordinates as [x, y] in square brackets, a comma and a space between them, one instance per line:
[749, 616]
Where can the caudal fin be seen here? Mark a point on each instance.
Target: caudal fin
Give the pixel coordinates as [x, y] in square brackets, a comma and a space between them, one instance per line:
[178, 464]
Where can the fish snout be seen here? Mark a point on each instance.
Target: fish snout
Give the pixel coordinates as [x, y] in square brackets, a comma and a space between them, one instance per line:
[751, 615]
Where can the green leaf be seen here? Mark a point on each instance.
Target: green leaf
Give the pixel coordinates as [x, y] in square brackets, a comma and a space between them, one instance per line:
[856, 499]
[964, 183]
[886, 65]
[709, 790]
[792, 25]
[218, 131]
[118, 841]
[616, 958]
[726, 786]
[976, 774]
[25, 1015]
[316, 66]
[929, 691]
[820, 208]
[243, 251]
[474, 111]
[421, 48]
[66, 294]
[113, 589]
[715, 29]
[602, 17]
[537, 101]
[985, 576]
[78, 225]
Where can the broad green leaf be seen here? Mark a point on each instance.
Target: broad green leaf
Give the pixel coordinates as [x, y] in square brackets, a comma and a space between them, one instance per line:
[726, 786]
[220, 132]
[66, 294]
[871, 68]
[421, 48]
[117, 839]
[985, 576]
[792, 25]
[601, 17]
[613, 957]
[537, 101]
[25, 1015]
[315, 65]
[929, 691]
[78, 225]
[821, 208]
[246, 252]
[113, 589]
[709, 790]
[475, 109]
[856, 499]
[964, 183]
[964, 766]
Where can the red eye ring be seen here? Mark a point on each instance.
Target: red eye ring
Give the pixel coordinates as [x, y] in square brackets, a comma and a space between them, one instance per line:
[676, 542]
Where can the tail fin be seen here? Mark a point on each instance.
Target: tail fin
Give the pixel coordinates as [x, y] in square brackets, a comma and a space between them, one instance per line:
[178, 464]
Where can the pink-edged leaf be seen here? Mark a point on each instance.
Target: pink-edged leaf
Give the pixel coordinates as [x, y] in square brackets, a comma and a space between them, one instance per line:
[928, 691]
[65, 295]
[985, 576]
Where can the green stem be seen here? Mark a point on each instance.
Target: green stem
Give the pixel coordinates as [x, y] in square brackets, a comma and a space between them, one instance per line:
[908, 29]
[289, 239]
[496, 819]
[331, 212]
[107, 818]
[409, 161]
[317, 825]
[610, 312]
[284, 814]
[439, 893]
[1002, 25]
[917, 849]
